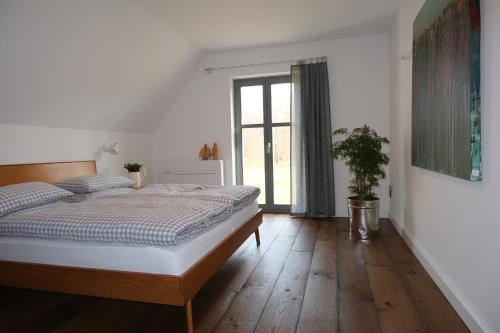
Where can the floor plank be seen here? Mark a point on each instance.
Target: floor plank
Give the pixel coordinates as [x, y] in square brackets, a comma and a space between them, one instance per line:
[342, 224]
[20, 306]
[216, 296]
[420, 284]
[282, 310]
[386, 227]
[394, 307]
[356, 305]
[434, 308]
[240, 317]
[307, 236]
[319, 309]
[327, 231]
[57, 315]
[439, 316]
[375, 253]
[160, 318]
[106, 316]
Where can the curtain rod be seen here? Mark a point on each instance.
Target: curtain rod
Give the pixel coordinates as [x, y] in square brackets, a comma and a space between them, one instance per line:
[298, 61]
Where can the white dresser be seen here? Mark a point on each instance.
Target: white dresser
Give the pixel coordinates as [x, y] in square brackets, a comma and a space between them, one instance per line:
[184, 171]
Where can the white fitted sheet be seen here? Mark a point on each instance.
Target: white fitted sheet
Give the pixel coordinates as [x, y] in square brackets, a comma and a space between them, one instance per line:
[173, 260]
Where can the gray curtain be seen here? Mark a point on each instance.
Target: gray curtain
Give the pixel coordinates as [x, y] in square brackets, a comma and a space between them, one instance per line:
[312, 166]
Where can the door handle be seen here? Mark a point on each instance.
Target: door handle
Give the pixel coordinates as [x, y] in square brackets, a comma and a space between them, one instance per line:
[268, 150]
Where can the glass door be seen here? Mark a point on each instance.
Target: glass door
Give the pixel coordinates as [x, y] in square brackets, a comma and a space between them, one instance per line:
[262, 124]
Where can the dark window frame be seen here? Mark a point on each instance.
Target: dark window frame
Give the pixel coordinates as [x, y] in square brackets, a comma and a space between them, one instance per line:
[267, 126]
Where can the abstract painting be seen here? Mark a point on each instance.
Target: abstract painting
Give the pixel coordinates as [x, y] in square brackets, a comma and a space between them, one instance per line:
[446, 121]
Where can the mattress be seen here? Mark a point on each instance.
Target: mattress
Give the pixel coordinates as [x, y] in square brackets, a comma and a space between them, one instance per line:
[172, 260]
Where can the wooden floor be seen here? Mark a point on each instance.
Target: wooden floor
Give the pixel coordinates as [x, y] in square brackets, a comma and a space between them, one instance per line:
[306, 276]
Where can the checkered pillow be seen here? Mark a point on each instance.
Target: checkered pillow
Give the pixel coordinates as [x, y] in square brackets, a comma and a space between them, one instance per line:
[79, 197]
[25, 195]
[94, 183]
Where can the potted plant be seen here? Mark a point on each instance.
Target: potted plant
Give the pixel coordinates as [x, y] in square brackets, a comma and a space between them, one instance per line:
[362, 152]
[136, 172]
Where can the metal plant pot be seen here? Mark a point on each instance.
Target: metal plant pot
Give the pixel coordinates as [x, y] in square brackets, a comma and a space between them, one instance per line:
[363, 217]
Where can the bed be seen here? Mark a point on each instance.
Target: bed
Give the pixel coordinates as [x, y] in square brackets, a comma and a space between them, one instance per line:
[170, 276]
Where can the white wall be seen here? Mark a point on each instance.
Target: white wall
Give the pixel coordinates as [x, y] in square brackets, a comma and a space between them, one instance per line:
[28, 144]
[452, 225]
[359, 89]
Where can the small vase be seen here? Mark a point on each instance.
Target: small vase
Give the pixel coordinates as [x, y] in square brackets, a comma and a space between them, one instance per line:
[137, 177]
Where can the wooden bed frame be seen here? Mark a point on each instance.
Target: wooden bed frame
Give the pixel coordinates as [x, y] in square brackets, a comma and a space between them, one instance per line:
[142, 287]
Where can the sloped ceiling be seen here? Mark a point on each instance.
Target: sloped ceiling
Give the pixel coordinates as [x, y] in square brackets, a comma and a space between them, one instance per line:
[107, 65]
[237, 24]
[119, 64]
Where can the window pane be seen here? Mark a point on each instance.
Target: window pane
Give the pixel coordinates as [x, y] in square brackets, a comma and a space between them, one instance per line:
[281, 165]
[280, 95]
[253, 160]
[252, 105]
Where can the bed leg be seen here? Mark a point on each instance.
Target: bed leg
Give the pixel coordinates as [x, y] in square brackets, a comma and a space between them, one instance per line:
[257, 236]
[189, 317]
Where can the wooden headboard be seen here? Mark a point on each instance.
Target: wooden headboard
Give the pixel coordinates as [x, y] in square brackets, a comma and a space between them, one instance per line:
[45, 172]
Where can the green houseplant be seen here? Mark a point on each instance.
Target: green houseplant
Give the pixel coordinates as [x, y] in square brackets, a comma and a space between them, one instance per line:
[133, 167]
[362, 151]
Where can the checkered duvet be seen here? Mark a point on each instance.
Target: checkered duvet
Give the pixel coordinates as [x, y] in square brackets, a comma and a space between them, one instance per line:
[236, 196]
[79, 197]
[148, 219]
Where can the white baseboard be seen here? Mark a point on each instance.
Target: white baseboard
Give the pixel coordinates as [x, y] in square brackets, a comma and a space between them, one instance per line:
[472, 318]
